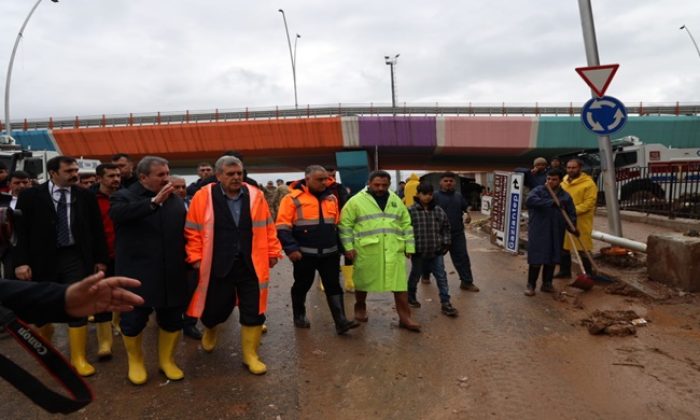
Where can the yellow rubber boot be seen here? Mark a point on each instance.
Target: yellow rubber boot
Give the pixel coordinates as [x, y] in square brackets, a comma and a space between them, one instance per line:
[167, 341]
[104, 339]
[250, 340]
[134, 354]
[116, 316]
[77, 340]
[347, 278]
[209, 338]
[46, 332]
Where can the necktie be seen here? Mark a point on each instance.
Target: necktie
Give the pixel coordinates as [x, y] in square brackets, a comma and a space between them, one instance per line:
[62, 212]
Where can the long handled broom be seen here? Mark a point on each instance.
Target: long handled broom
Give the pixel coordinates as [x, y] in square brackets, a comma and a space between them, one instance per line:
[582, 281]
[597, 276]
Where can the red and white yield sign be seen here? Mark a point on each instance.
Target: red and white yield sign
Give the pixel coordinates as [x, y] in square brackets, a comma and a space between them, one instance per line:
[598, 77]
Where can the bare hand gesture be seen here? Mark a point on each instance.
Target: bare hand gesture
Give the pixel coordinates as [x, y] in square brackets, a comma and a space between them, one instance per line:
[164, 193]
[96, 294]
[295, 256]
[23, 272]
[351, 255]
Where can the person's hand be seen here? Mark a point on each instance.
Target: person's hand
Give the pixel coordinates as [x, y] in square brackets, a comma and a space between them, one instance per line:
[164, 193]
[196, 265]
[23, 272]
[295, 256]
[96, 294]
[272, 261]
[408, 254]
[100, 267]
[351, 254]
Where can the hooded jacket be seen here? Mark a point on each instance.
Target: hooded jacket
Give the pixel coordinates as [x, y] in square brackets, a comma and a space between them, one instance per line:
[410, 190]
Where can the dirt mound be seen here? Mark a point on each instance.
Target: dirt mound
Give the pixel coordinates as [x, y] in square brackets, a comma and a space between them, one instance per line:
[617, 323]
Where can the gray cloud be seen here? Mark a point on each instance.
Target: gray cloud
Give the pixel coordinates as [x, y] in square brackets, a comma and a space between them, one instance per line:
[83, 57]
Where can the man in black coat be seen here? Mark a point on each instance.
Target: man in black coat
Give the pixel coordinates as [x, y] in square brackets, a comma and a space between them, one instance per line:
[60, 238]
[149, 222]
[454, 204]
[19, 181]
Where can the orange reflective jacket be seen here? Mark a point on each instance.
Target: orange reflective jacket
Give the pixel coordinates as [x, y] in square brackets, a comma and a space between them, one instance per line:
[199, 231]
[307, 222]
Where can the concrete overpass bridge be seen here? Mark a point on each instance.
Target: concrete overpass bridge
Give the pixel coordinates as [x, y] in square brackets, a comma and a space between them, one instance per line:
[461, 137]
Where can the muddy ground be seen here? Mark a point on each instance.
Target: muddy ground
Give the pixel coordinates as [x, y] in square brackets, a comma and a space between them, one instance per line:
[505, 356]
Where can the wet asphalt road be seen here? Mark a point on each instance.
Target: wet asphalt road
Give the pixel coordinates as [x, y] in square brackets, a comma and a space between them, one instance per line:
[505, 356]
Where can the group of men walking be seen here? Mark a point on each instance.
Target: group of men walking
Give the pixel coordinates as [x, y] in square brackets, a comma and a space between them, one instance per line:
[201, 251]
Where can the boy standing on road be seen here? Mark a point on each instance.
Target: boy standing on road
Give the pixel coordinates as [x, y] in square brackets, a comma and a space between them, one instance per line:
[431, 230]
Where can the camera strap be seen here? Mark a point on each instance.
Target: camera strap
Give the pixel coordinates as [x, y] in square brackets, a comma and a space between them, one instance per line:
[51, 360]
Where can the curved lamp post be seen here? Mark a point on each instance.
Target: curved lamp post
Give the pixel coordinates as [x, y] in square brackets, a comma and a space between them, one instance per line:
[292, 55]
[8, 126]
[691, 38]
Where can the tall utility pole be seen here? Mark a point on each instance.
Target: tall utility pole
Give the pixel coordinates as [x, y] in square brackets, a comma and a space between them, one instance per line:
[691, 38]
[607, 164]
[8, 126]
[391, 62]
[292, 56]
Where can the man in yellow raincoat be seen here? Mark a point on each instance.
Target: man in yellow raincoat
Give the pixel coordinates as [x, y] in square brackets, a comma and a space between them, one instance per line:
[584, 192]
[410, 190]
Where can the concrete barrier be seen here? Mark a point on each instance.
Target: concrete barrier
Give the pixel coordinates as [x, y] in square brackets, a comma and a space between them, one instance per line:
[674, 259]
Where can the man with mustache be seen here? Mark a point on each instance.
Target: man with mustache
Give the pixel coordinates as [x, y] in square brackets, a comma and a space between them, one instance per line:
[60, 238]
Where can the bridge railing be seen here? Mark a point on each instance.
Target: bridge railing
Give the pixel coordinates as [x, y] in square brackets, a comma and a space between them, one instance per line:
[335, 110]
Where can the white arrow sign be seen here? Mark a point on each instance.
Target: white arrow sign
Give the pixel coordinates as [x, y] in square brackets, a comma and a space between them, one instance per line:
[598, 78]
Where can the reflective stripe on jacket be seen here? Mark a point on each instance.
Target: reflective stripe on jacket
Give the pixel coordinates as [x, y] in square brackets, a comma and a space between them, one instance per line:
[307, 223]
[199, 231]
[380, 239]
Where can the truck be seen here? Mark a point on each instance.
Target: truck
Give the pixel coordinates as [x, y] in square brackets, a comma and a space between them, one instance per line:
[33, 162]
[650, 175]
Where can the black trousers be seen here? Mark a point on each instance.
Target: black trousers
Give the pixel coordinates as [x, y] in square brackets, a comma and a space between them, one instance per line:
[305, 271]
[168, 319]
[534, 273]
[69, 270]
[190, 321]
[240, 286]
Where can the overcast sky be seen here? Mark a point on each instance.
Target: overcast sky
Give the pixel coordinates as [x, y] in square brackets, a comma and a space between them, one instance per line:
[88, 57]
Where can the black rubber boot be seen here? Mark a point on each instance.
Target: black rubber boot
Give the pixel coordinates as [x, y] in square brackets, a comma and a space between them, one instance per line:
[299, 311]
[564, 266]
[547, 275]
[533, 273]
[342, 325]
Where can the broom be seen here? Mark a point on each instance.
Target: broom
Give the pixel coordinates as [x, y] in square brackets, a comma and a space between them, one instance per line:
[597, 277]
[583, 280]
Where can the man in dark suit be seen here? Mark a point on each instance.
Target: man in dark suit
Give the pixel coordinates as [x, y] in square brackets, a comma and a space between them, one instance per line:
[60, 238]
[149, 222]
[19, 181]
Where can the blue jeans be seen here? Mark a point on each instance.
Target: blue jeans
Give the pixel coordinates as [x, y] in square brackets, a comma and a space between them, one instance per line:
[436, 265]
[460, 257]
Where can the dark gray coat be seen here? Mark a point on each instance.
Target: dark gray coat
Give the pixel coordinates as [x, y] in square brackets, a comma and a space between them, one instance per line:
[546, 225]
[150, 245]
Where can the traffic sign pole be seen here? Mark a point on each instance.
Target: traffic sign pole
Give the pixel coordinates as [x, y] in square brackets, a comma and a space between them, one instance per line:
[606, 155]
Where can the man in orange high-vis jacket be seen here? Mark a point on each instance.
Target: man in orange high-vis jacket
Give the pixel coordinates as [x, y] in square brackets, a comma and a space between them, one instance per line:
[307, 226]
[232, 241]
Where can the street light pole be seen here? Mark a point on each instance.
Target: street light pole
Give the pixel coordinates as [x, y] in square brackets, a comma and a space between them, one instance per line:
[607, 165]
[8, 79]
[391, 62]
[691, 38]
[292, 56]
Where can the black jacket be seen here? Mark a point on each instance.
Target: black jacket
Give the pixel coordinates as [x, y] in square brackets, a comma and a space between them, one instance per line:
[37, 303]
[36, 231]
[454, 205]
[150, 245]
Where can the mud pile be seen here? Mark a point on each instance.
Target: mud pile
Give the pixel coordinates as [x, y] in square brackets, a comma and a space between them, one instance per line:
[616, 323]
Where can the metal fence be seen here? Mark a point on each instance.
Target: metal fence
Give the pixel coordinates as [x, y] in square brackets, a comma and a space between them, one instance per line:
[671, 189]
